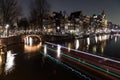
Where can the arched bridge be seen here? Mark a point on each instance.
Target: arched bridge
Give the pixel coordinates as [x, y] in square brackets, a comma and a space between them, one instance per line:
[40, 37]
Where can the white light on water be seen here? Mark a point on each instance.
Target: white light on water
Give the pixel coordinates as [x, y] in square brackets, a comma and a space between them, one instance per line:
[94, 49]
[88, 41]
[96, 39]
[9, 66]
[27, 41]
[77, 44]
[81, 52]
[58, 50]
[100, 38]
[45, 49]
[115, 39]
[30, 41]
[104, 37]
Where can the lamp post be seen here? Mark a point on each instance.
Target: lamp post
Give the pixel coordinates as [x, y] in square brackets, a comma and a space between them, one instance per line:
[7, 32]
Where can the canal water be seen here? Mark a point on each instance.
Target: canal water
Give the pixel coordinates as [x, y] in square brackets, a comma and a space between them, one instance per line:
[24, 61]
[104, 45]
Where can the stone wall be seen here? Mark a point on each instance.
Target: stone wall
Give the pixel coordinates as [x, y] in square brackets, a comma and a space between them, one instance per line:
[10, 40]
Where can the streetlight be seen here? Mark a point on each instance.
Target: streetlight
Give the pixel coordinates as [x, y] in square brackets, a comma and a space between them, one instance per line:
[6, 27]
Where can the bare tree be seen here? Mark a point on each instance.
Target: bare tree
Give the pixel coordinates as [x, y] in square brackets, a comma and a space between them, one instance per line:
[39, 10]
[9, 11]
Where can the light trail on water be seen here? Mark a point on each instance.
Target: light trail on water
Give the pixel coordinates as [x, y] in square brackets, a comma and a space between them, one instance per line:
[86, 63]
[66, 66]
[81, 52]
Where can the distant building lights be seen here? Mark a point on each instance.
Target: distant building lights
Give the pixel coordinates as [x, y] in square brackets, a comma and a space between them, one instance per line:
[7, 26]
[95, 17]
[58, 28]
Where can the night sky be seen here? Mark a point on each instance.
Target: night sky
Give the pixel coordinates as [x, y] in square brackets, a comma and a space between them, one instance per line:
[88, 7]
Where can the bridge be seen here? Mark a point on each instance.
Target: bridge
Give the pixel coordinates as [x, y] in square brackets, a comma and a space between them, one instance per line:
[24, 37]
[48, 37]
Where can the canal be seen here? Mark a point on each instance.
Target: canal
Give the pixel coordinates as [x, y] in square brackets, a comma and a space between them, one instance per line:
[104, 45]
[25, 62]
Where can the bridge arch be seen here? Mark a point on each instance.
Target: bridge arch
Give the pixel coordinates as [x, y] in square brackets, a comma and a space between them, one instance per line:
[28, 42]
[40, 37]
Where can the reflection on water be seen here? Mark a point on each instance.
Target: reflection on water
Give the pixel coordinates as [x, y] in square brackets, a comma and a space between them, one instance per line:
[100, 38]
[96, 39]
[77, 44]
[45, 50]
[88, 41]
[105, 45]
[9, 65]
[29, 49]
[0, 64]
[15, 64]
[8, 56]
[69, 47]
[116, 39]
[6, 61]
[58, 51]
[2, 60]
[94, 49]
[32, 45]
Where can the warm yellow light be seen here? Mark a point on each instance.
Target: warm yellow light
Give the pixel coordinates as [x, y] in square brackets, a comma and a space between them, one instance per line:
[0, 59]
[69, 47]
[29, 49]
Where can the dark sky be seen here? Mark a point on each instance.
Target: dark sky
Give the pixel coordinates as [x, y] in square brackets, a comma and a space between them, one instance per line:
[89, 7]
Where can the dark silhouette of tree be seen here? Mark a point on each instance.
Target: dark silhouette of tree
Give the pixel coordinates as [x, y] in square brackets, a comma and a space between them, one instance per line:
[85, 26]
[39, 11]
[23, 23]
[9, 11]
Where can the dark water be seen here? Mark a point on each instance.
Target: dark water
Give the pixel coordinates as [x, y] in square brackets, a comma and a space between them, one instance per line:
[22, 62]
[103, 45]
